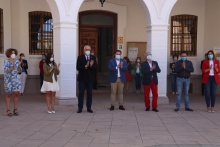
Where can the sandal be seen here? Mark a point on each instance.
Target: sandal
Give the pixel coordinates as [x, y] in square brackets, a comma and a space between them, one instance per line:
[9, 113]
[15, 112]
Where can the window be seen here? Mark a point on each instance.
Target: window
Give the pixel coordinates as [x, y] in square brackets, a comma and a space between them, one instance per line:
[1, 32]
[40, 33]
[184, 34]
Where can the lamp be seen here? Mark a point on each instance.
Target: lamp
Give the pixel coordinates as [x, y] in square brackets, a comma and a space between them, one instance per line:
[102, 2]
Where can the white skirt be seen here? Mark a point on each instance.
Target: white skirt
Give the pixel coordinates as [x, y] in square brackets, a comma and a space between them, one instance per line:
[47, 86]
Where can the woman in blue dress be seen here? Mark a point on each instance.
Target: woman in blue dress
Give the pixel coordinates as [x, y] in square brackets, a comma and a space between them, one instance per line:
[12, 82]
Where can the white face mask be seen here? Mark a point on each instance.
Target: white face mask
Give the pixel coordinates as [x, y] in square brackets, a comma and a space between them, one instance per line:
[22, 57]
[118, 56]
[13, 56]
[149, 57]
[87, 53]
[51, 59]
[138, 60]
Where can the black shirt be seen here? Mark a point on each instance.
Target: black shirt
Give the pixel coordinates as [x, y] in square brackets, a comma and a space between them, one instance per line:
[184, 72]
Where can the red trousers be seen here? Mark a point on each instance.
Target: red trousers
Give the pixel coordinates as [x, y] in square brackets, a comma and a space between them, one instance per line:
[154, 89]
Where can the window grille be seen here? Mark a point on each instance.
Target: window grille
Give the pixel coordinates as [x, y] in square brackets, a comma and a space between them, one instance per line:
[184, 34]
[2, 32]
[40, 33]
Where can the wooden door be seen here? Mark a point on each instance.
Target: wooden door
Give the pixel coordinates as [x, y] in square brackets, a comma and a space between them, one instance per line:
[88, 36]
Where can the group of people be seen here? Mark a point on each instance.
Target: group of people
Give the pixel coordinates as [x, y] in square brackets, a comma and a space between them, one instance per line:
[118, 73]
[145, 73]
[180, 79]
[15, 75]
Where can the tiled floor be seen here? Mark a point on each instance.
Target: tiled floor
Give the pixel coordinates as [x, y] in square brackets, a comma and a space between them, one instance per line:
[133, 127]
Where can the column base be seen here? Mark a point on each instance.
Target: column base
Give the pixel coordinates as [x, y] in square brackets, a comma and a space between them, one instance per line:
[163, 100]
[67, 101]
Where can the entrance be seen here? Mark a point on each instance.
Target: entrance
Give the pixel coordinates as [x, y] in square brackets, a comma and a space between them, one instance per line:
[99, 30]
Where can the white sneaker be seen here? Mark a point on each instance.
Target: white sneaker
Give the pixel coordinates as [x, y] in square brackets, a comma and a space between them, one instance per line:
[53, 111]
[49, 112]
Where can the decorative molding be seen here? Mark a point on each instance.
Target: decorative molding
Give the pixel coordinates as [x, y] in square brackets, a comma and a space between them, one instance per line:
[159, 7]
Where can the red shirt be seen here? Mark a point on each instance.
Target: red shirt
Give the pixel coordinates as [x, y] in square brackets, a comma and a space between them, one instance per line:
[41, 67]
[205, 65]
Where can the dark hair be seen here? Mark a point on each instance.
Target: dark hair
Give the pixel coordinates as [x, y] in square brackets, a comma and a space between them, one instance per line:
[183, 52]
[127, 60]
[175, 55]
[9, 51]
[21, 54]
[48, 59]
[212, 53]
[137, 59]
[117, 51]
[43, 55]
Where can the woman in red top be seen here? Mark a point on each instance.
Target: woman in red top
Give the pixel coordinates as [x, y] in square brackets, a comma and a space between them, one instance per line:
[42, 70]
[210, 70]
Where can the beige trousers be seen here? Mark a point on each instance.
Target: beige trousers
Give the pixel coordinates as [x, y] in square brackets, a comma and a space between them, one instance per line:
[117, 89]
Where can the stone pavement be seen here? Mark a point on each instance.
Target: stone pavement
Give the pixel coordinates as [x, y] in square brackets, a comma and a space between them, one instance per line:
[133, 127]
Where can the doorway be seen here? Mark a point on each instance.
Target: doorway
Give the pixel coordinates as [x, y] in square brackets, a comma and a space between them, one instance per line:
[99, 30]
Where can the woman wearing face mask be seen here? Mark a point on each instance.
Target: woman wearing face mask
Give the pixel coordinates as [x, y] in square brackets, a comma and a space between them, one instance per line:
[12, 82]
[42, 70]
[50, 83]
[210, 70]
[137, 74]
[23, 73]
[173, 74]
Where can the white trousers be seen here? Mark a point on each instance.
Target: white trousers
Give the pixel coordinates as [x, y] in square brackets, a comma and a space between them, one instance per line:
[23, 77]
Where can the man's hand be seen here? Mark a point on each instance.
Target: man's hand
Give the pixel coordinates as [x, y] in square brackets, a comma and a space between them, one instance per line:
[184, 64]
[91, 62]
[87, 64]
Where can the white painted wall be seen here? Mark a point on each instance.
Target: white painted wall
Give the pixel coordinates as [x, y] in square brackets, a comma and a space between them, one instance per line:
[5, 5]
[212, 25]
[20, 29]
[192, 7]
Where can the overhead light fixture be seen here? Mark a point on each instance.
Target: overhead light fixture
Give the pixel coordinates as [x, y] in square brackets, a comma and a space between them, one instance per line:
[102, 2]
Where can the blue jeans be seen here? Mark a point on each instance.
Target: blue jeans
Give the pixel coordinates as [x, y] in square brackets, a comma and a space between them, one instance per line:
[182, 87]
[173, 82]
[210, 91]
[137, 81]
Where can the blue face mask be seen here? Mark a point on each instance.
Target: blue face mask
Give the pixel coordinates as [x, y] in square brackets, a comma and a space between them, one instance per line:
[43, 58]
[210, 56]
[51, 59]
[183, 58]
[87, 53]
[118, 56]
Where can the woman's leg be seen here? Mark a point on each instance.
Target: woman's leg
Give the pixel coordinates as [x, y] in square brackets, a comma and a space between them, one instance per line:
[24, 81]
[7, 99]
[48, 99]
[53, 100]
[16, 95]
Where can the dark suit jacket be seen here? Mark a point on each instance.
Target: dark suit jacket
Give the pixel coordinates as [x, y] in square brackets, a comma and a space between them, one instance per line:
[147, 74]
[24, 65]
[86, 74]
[113, 72]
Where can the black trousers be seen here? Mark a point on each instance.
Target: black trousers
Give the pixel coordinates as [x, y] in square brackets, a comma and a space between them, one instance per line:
[88, 86]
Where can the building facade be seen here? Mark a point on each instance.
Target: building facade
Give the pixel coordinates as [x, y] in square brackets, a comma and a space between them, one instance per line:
[131, 20]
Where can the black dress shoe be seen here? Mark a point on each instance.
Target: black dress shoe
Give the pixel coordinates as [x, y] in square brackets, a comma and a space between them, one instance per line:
[147, 109]
[89, 110]
[112, 108]
[121, 107]
[188, 109]
[79, 111]
[176, 109]
[155, 110]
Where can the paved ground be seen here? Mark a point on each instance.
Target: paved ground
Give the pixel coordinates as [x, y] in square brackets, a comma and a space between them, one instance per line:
[131, 128]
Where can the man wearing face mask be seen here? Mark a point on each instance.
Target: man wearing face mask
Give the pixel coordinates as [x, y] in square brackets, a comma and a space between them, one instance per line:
[149, 70]
[117, 67]
[183, 69]
[23, 74]
[86, 65]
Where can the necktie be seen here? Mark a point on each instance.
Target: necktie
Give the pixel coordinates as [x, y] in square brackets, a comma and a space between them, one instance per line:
[87, 58]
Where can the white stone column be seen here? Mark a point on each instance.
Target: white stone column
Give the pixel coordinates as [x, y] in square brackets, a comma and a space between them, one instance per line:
[65, 43]
[158, 46]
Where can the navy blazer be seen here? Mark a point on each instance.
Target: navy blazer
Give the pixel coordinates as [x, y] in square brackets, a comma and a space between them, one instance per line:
[113, 72]
[24, 65]
[147, 74]
[86, 74]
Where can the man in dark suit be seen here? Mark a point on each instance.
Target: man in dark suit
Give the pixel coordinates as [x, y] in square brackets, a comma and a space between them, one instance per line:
[117, 67]
[86, 65]
[149, 70]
